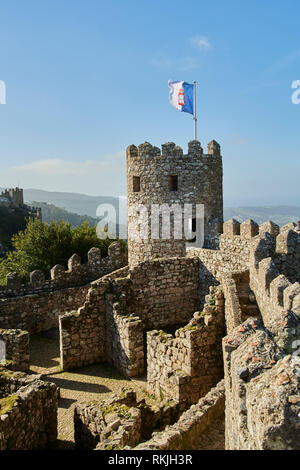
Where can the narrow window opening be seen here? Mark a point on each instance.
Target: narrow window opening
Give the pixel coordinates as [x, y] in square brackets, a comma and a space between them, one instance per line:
[173, 183]
[136, 184]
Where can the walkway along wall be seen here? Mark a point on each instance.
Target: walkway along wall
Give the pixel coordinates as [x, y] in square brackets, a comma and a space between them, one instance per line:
[37, 305]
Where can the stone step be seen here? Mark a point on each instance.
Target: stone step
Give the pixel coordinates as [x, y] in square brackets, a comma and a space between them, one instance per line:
[250, 310]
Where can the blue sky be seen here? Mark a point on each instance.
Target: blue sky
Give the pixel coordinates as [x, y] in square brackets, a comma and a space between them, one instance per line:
[87, 78]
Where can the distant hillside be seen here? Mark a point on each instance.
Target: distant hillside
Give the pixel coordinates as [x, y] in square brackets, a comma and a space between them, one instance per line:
[281, 215]
[77, 203]
[51, 212]
[81, 204]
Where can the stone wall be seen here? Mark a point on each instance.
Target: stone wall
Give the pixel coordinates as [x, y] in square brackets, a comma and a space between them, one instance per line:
[37, 306]
[233, 313]
[240, 301]
[124, 337]
[187, 366]
[39, 312]
[165, 291]
[121, 306]
[121, 421]
[199, 181]
[262, 391]
[83, 332]
[278, 297]
[28, 412]
[16, 348]
[194, 422]
[77, 274]
[232, 255]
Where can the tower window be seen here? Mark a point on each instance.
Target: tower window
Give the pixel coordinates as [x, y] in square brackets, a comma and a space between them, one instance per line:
[136, 184]
[173, 183]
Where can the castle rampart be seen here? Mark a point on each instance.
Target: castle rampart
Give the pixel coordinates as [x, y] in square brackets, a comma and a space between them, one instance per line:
[274, 280]
[37, 305]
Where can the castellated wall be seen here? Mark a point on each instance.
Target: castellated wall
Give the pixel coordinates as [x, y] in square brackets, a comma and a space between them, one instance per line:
[262, 391]
[37, 305]
[28, 412]
[187, 366]
[168, 177]
[275, 281]
[77, 274]
[122, 306]
[233, 253]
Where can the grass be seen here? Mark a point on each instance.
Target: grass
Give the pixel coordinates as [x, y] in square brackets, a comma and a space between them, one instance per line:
[6, 404]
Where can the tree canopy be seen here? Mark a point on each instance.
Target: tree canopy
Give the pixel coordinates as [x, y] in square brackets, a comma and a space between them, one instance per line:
[42, 246]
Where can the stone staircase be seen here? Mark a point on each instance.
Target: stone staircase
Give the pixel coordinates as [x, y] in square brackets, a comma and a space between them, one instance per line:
[247, 301]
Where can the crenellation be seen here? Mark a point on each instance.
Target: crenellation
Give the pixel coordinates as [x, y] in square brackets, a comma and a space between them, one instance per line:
[275, 288]
[37, 278]
[267, 272]
[287, 242]
[269, 227]
[287, 227]
[154, 180]
[57, 273]
[94, 257]
[231, 228]
[249, 229]
[278, 287]
[165, 313]
[13, 281]
[74, 262]
[194, 147]
[77, 274]
[213, 148]
[290, 292]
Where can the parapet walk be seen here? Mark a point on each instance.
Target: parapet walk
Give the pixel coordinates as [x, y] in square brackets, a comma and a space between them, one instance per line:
[77, 274]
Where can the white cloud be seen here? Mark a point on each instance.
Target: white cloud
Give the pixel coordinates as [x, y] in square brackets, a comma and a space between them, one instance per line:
[201, 42]
[95, 177]
[239, 140]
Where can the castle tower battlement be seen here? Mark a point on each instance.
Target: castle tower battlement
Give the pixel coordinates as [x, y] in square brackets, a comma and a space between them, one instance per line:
[167, 176]
[14, 196]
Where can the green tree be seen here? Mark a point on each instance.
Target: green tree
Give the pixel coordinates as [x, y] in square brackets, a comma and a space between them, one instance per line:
[42, 246]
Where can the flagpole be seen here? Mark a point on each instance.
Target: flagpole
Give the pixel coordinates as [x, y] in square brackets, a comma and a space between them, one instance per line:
[195, 115]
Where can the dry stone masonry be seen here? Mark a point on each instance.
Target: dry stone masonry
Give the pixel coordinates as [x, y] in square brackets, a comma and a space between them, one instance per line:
[185, 316]
[28, 412]
[168, 177]
[36, 306]
[185, 367]
[16, 348]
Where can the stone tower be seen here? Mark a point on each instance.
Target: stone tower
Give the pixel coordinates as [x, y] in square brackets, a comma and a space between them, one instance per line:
[167, 176]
